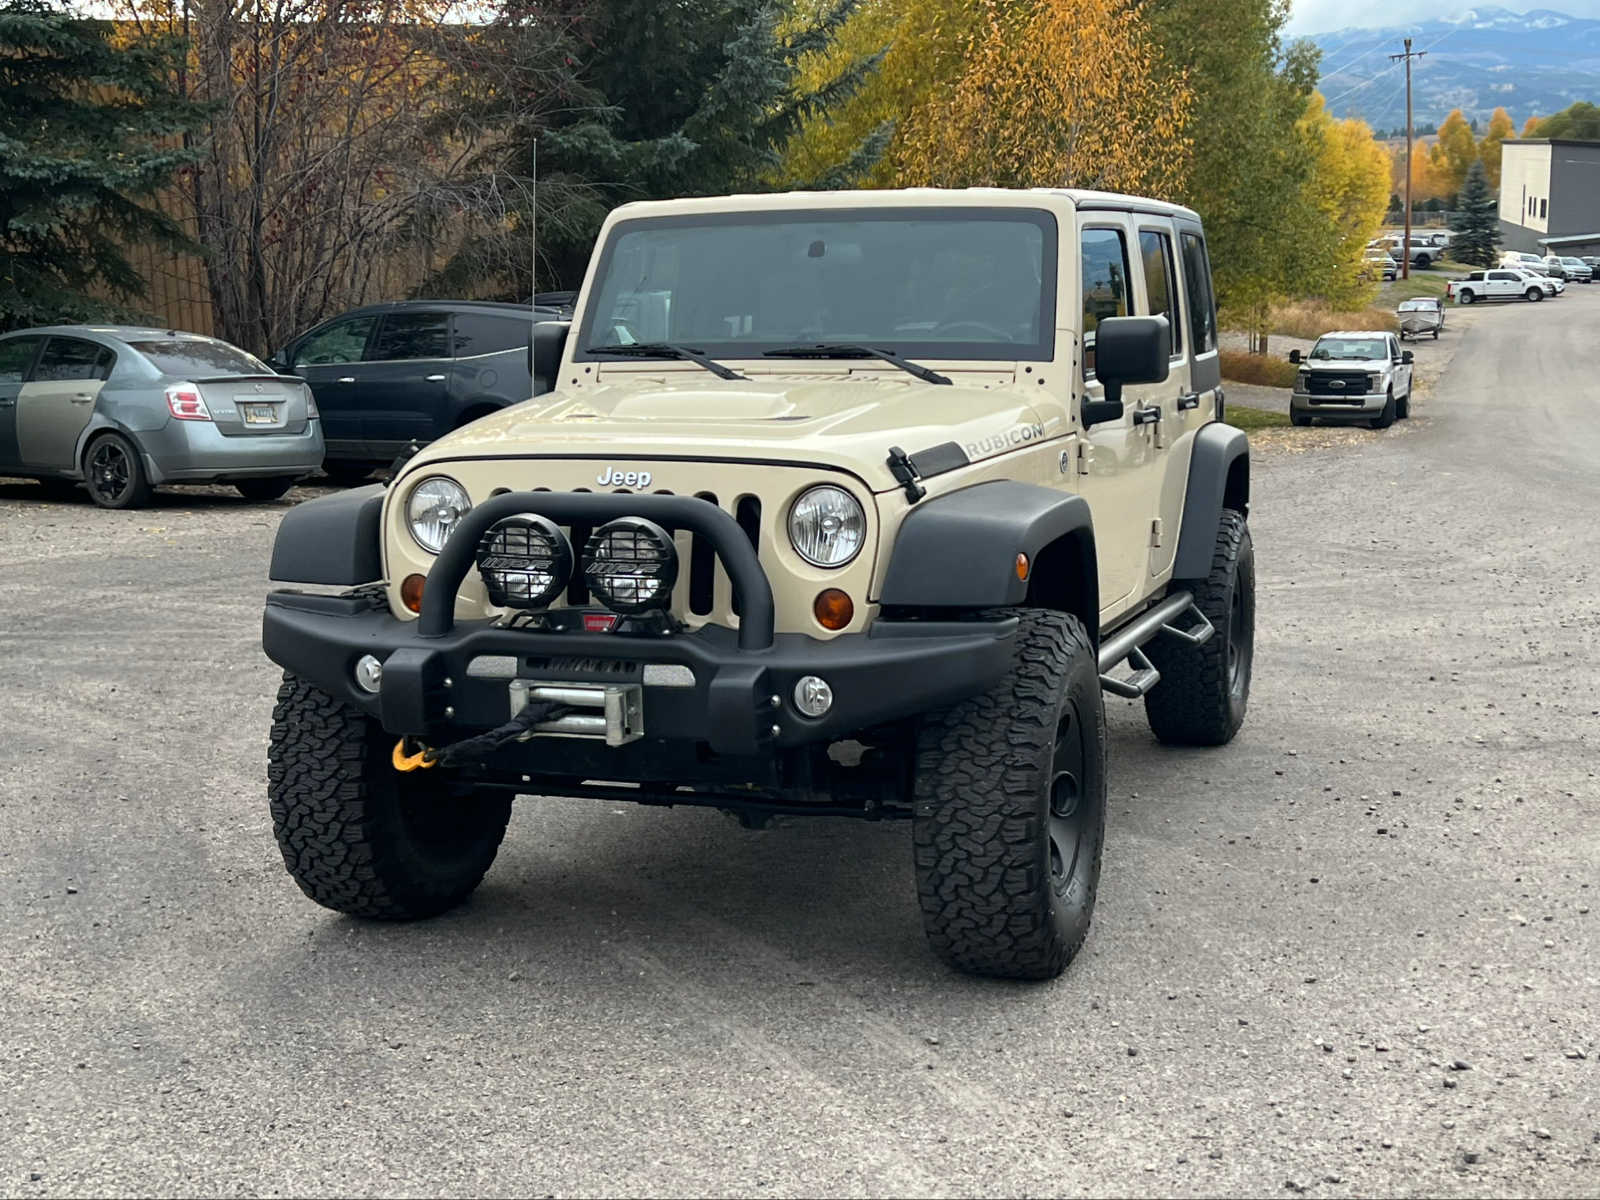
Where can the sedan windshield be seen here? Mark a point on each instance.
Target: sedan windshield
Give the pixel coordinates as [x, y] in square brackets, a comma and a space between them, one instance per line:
[193, 356]
[1349, 349]
[918, 282]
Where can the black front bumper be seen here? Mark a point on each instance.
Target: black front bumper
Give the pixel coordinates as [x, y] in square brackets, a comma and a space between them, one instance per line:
[740, 701]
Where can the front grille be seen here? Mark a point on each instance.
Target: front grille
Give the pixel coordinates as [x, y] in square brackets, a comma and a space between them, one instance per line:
[1354, 383]
[703, 587]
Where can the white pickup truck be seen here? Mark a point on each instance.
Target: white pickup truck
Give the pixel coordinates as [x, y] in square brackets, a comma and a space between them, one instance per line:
[1499, 284]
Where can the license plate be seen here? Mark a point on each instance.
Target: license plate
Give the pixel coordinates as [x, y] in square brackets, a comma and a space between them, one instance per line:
[259, 414]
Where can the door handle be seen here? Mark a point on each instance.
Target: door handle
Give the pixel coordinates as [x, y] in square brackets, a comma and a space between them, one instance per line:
[1188, 400]
[345, 379]
[82, 398]
[434, 378]
[1147, 416]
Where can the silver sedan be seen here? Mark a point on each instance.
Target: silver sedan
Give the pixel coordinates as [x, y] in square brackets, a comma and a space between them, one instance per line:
[123, 409]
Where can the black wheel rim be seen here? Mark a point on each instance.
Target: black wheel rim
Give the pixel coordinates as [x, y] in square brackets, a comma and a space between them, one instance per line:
[1067, 784]
[1238, 641]
[110, 471]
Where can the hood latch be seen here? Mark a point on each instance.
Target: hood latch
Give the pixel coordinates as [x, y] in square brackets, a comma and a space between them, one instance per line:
[905, 473]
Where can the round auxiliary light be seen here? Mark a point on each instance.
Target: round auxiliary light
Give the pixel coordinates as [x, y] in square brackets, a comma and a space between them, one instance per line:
[827, 526]
[525, 561]
[369, 673]
[813, 696]
[630, 565]
[432, 510]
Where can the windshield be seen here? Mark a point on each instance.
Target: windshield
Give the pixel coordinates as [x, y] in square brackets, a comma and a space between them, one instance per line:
[191, 356]
[1419, 305]
[1349, 349]
[930, 283]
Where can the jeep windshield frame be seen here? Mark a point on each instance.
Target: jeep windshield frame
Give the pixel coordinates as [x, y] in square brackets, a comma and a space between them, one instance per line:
[946, 283]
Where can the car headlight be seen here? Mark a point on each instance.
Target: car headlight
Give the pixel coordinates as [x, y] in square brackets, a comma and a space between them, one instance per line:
[827, 526]
[432, 510]
[1375, 380]
[1303, 381]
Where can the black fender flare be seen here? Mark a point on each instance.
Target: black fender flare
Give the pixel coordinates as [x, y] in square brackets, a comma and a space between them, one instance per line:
[960, 550]
[331, 540]
[1219, 477]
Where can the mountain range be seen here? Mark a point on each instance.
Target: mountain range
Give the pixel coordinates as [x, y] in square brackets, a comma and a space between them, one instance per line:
[1533, 63]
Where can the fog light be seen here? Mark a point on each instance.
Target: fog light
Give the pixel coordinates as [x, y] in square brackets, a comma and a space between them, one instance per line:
[813, 696]
[369, 673]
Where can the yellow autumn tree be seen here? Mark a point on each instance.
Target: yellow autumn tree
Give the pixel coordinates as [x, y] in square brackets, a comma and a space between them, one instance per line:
[1500, 128]
[1455, 150]
[1345, 198]
[1054, 93]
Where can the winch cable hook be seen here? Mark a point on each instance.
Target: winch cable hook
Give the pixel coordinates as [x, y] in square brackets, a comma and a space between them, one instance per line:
[480, 746]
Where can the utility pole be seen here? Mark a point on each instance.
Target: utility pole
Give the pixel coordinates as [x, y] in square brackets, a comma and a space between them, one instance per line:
[1405, 246]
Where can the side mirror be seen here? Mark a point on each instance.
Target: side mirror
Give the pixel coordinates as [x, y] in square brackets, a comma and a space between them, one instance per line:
[1127, 350]
[279, 361]
[1405, 356]
[1294, 357]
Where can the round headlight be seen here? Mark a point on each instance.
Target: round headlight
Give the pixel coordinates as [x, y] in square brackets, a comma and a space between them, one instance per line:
[432, 510]
[525, 561]
[827, 526]
[631, 565]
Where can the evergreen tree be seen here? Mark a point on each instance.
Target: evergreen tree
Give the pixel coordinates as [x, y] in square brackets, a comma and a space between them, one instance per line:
[1476, 230]
[88, 134]
[697, 97]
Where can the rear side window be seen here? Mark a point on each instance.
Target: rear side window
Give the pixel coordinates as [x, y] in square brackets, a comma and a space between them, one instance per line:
[71, 358]
[1202, 305]
[344, 342]
[16, 356]
[412, 335]
[1156, 251]
[1105, 284]
[479, 333]
[190, 357]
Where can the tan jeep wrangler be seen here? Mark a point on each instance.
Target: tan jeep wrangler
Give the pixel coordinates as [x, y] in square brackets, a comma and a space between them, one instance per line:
[845, 504]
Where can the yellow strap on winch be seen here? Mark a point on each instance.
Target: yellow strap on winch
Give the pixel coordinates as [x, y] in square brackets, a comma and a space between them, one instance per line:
[420, 761]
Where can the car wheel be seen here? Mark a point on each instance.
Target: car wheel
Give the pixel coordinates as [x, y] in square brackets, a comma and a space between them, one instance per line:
[1535, 294]
[358, 836]
[264, 491]
[1296, 418]
[1009, 809]
[113, 473]
[1205, 689]
[1423, 262]
[1403, 410]
[1386, 418]
[1436, 335]
[1465, 298]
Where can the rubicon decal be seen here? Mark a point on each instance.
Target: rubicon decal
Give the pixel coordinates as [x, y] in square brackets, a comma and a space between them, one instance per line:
[995, 443]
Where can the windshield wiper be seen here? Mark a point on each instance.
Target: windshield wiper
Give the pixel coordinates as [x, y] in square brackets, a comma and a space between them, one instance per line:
[669, 350]
[855, 350]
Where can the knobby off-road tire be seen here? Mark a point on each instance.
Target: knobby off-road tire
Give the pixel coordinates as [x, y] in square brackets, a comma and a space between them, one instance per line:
[358, 836]
[1386, 418]
[1010, 798]
[1205, 689]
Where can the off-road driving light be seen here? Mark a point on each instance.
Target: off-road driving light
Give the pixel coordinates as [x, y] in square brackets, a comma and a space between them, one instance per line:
[827, 526]
[525, 561]
[813, 696]
[630, 565]
[432, 510]
[369, 673]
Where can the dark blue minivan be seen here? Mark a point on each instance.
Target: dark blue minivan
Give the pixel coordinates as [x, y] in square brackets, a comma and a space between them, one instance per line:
[388, 375]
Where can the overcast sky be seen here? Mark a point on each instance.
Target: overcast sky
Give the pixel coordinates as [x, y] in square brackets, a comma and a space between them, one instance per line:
[1323, 16]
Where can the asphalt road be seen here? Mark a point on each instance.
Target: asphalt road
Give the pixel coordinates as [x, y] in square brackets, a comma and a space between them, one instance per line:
[1352, 953]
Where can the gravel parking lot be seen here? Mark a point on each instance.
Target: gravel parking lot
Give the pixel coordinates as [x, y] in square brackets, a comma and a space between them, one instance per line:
[1352, 953]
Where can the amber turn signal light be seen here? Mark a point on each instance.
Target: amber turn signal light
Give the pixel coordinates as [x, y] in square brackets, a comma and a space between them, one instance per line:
[833, 608]
[1022, 567]
[411, 592]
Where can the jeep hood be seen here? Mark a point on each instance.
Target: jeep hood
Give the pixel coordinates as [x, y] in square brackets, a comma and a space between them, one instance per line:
[842, 422]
